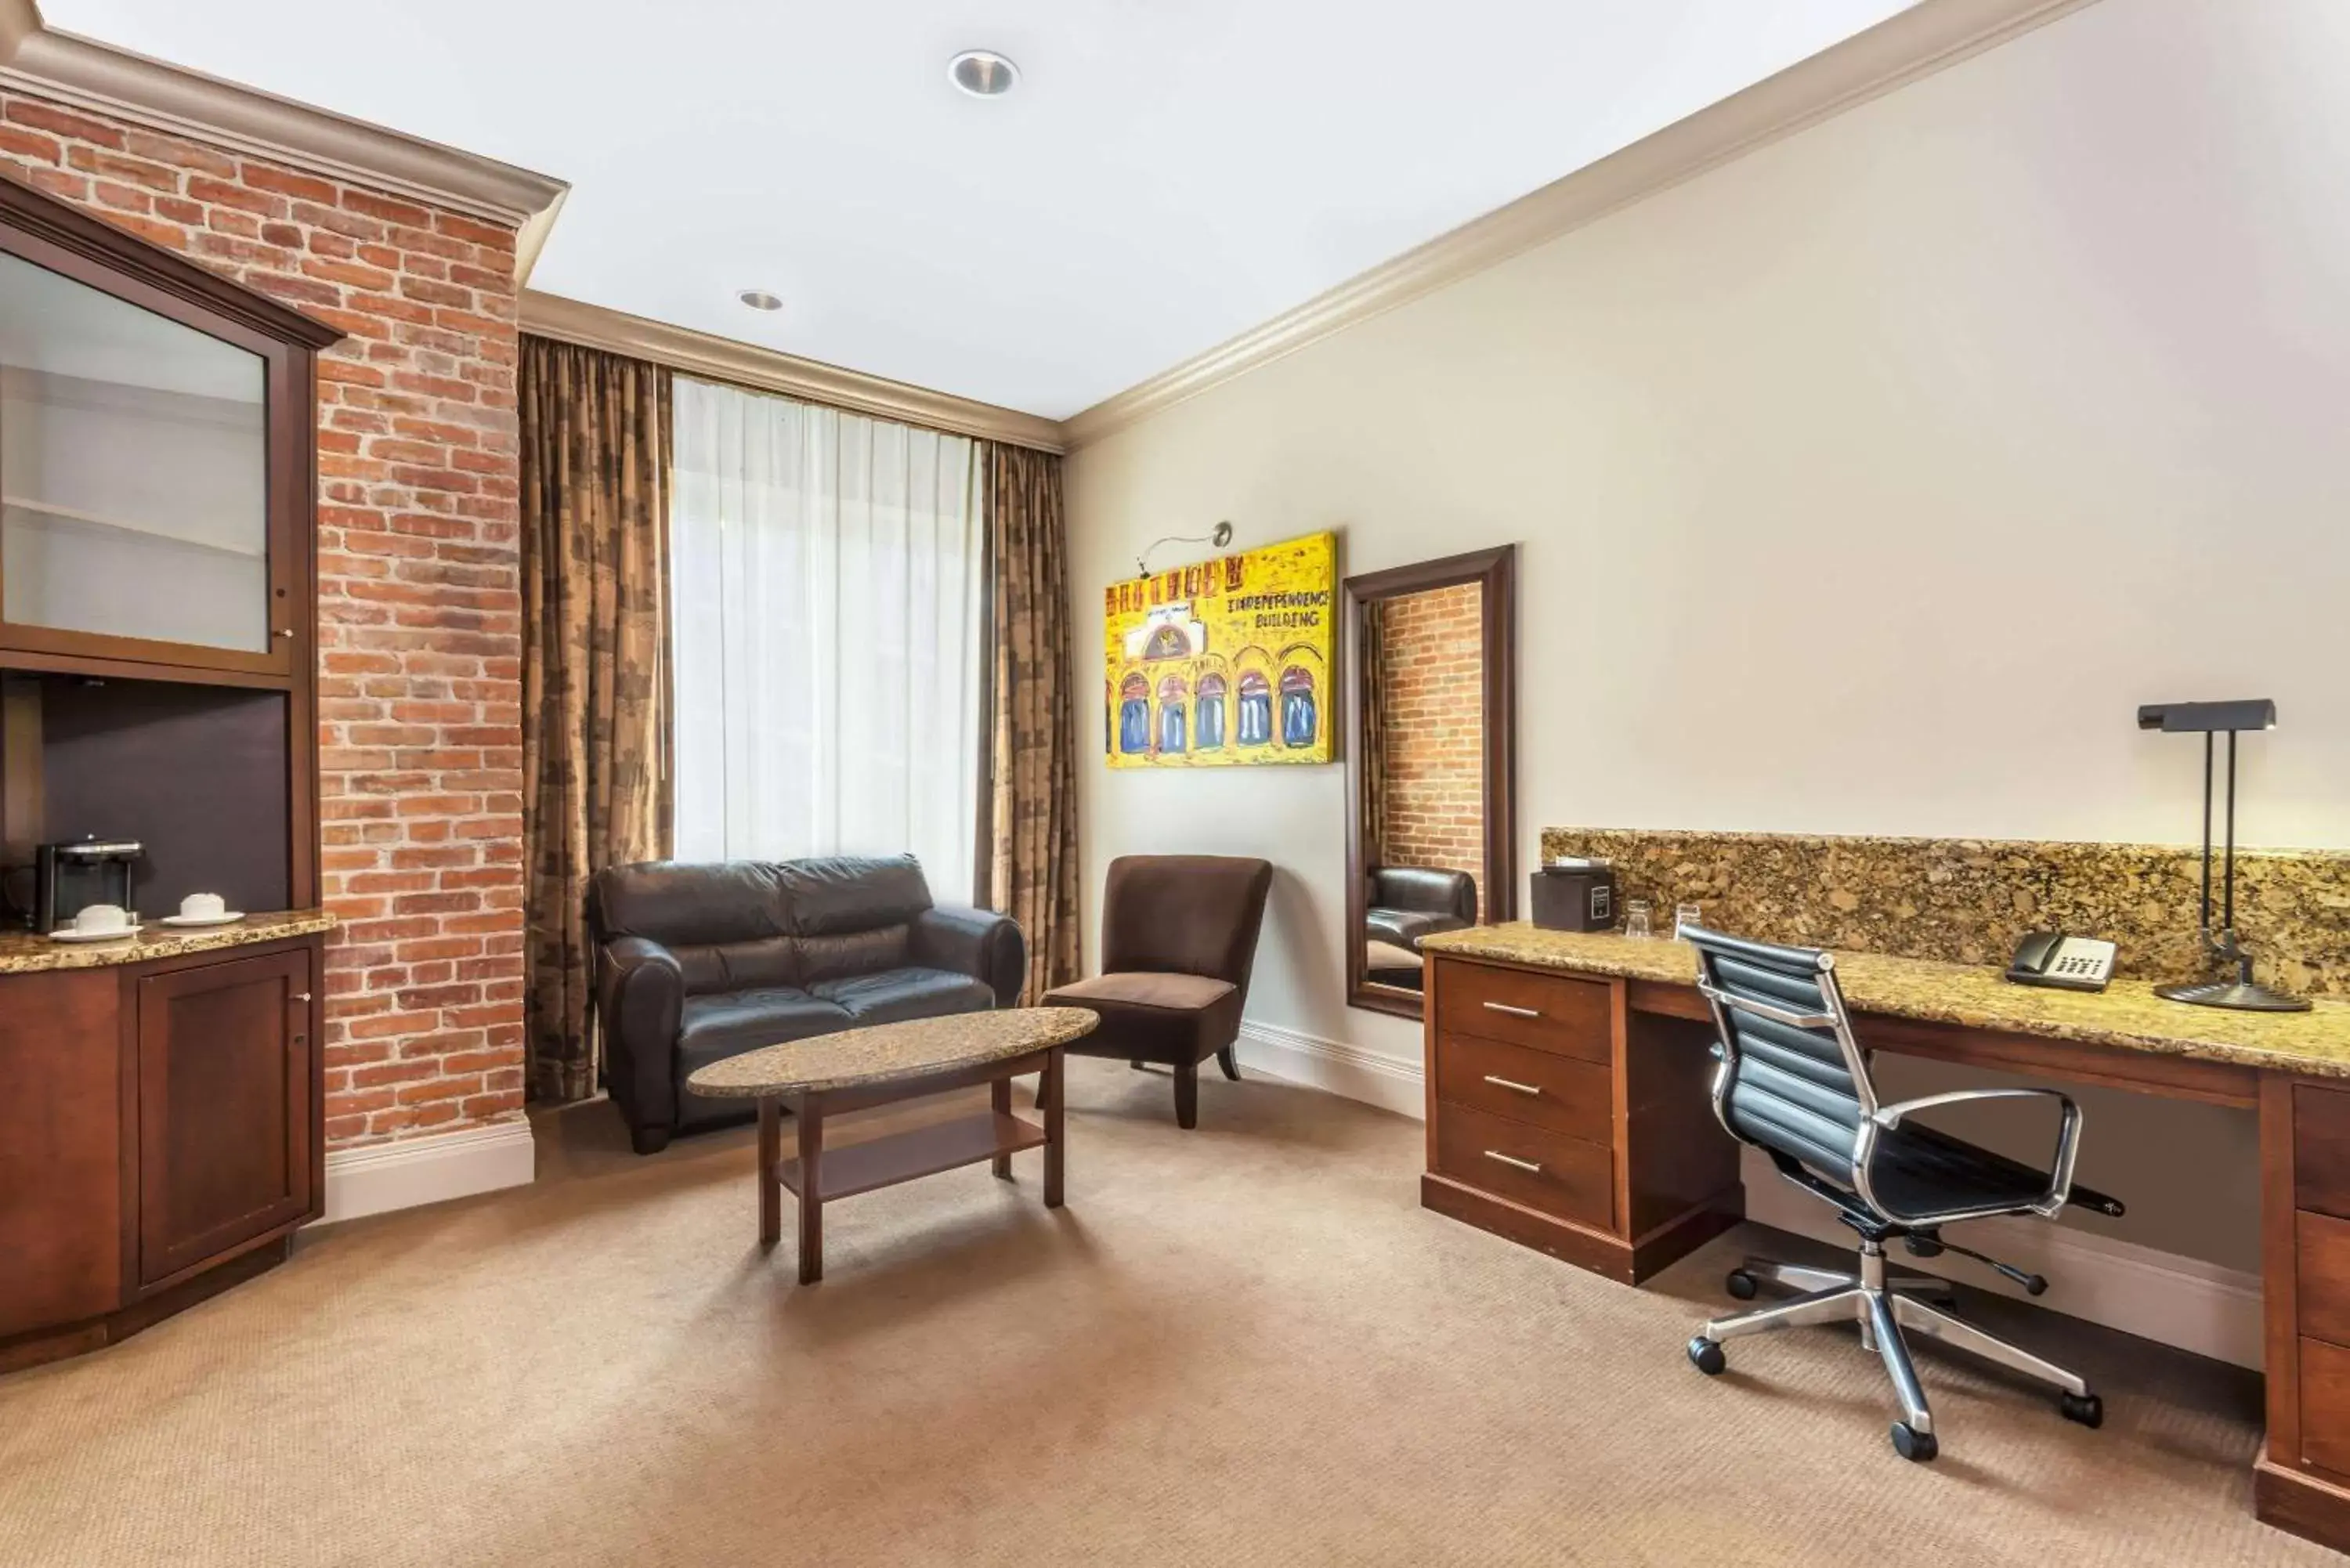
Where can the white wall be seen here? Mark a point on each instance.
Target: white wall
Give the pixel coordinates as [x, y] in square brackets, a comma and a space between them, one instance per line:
[1865, 485]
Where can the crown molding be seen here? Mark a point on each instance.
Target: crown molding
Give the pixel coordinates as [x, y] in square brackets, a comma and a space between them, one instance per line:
[1928, 38]
[747, 365]
[88, 75]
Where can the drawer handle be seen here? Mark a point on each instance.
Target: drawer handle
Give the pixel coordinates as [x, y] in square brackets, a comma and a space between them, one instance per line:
[1513, 1012]
[1528, 1165]
[1514, 1086]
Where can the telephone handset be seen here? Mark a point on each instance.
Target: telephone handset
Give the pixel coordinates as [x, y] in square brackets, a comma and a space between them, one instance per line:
[2052, 958]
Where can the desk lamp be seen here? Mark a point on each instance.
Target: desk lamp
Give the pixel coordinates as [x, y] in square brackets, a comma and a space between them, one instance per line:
[2207, 719]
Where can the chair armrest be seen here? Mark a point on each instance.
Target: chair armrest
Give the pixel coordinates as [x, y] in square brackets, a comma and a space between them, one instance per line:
[1891, 1115]
[641, 1000]
[981, 943]
[2060, 1180]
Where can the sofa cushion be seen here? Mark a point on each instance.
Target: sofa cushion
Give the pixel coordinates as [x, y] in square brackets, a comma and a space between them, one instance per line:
[1153, 1017]
[841, 954]
[844, 893]
[716, 1027]
[725, 924]
[893, 994]
[1408, 928]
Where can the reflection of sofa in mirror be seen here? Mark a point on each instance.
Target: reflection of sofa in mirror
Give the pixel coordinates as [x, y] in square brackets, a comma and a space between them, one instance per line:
[1407, 903]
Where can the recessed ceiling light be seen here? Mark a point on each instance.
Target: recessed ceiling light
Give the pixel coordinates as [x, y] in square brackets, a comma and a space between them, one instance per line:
[983, 73]
[760, 299]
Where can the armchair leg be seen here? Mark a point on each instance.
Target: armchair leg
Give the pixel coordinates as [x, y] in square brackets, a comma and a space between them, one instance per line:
[1230, 1062]
[649, 1141]
[1187, 1096]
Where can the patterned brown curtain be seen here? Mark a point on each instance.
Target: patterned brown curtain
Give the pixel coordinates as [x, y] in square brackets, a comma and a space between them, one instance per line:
[594, 589]
[1031, 816]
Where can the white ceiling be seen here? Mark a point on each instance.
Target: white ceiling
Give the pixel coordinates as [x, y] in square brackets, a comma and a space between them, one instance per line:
[1168, 174]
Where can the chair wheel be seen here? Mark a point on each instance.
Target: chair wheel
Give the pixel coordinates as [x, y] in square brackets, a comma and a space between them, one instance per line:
[1913, 1445]
[1740, 1284]
[1706, 1355]
[2086, 1408]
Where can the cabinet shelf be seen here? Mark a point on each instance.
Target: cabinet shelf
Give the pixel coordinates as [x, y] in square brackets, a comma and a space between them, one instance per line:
[144, 530]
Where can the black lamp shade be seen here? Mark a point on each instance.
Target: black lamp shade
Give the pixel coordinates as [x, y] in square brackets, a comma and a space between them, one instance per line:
[2208, 717]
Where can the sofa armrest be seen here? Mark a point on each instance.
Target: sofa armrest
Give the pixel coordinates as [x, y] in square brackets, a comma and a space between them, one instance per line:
[640, 1000]
[977, 942]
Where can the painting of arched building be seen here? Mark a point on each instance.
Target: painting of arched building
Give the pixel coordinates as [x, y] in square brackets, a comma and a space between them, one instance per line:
[1224, 661]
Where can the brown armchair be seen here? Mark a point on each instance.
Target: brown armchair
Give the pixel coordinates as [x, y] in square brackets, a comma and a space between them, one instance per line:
[1178, 937]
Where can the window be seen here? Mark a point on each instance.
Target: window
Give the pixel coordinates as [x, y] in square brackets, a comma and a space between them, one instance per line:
[1211, 719]
[1134, 715]
[1256, 709]
[827, 571]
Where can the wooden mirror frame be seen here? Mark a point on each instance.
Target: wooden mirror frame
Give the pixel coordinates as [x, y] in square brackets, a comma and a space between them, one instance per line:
[1495, 573]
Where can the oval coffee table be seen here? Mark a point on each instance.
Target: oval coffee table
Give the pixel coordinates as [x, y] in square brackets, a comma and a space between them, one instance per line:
[880, 1064]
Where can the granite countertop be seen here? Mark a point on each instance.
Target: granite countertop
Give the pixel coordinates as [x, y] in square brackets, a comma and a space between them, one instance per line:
[24, 953]
[882, 1051]
[2127, 1015]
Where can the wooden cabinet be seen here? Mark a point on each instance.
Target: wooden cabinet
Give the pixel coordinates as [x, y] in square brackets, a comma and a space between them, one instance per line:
[226, 1108]
[160, 1139]
[2304, 1483]
[156, 441]
[1562, 1119]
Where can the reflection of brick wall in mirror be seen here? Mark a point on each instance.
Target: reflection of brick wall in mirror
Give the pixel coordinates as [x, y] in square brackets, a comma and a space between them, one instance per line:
[1432, 688]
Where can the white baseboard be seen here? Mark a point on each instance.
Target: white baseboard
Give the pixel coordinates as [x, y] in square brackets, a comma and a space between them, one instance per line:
[2163, 1296]
[377, 1178]
[1332, 1065]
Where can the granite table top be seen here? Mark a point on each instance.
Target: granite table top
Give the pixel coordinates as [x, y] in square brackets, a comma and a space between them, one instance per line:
[29, 952]
[881, 1052]
[2127, 1015]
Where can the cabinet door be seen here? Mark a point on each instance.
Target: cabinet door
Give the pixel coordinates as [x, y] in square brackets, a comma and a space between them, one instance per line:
[225, 1107]
[140, 517]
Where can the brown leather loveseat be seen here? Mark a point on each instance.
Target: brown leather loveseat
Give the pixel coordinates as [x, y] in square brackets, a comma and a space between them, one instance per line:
[697, 963]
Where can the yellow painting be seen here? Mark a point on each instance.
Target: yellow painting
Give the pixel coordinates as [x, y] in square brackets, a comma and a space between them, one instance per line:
[1222, 663]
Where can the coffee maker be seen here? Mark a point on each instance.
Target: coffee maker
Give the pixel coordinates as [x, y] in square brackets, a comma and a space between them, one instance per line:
[68, 878]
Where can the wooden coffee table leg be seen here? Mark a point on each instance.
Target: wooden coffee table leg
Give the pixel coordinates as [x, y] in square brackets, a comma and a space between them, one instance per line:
[1054, 1123]
[999, 1100]
[811, 1119]
[771, 1191]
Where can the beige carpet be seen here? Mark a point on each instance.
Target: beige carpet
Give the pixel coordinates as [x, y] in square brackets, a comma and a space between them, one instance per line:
[1246, 1345]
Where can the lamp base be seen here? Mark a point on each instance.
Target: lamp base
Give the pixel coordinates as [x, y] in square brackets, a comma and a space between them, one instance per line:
[2245, 995]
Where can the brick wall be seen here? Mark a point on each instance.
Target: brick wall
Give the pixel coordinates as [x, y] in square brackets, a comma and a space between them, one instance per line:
[420, 688]
[1431, 649]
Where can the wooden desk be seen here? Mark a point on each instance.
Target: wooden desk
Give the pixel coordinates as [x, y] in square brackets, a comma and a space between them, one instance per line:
[1569, 1110]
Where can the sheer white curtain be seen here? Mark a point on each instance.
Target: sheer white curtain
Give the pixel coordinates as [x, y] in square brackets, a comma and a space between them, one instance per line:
[828, 574]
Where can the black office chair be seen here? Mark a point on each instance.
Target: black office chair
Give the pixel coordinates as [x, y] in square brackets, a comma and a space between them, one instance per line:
[1793, 1082]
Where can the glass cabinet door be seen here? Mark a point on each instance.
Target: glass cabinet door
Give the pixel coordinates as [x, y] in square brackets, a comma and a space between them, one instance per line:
[134, 472]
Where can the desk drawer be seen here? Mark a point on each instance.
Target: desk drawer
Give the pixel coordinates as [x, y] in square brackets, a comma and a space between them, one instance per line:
[1559, 1092]
[1544, 1012]
[1544, 1171]
[2321, 1276]
[2321, 1149]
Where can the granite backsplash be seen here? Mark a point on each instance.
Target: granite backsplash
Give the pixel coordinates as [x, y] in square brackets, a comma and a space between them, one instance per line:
[1966, 900]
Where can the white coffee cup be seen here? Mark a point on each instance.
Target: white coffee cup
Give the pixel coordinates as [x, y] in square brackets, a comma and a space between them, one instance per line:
[94, 918]
[203, 906]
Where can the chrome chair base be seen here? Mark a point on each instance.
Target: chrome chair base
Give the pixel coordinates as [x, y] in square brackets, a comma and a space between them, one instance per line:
[1884, 1305]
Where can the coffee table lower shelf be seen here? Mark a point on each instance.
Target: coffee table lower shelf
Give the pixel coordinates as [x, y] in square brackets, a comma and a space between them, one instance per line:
[994, 1135]
[856, 1168]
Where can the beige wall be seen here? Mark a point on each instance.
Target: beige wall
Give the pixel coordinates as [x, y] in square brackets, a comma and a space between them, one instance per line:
[1864, 484]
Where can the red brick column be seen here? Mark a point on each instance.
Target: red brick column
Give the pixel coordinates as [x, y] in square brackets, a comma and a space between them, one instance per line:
[420, 653]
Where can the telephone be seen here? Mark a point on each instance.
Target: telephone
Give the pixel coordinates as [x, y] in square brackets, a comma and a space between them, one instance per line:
[2052, 958]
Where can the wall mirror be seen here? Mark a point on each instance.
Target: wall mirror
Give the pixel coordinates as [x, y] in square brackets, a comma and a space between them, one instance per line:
[1431, 764]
